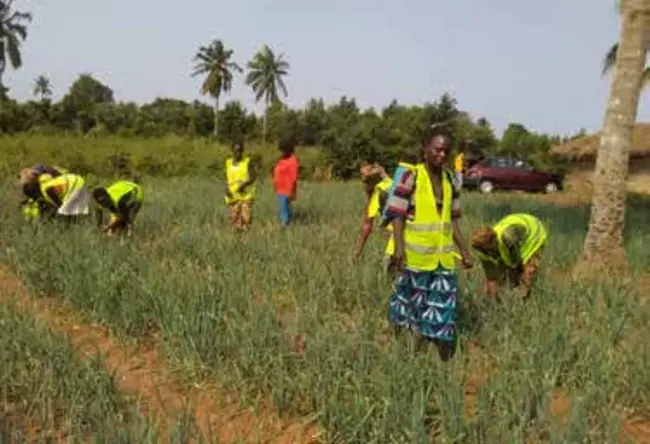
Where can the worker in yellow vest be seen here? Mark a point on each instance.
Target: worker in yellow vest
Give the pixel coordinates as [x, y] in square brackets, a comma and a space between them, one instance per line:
[29, 207]
[424, 208]
[65, 195]
[123, 201]
[376, 183]
[511, 252]
[240, 187]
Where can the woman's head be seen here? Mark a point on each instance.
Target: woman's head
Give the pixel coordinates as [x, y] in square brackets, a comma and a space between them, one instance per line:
[287, 146]
[371, 175]
[102, 198]
[27, 175]
[237, 150]
[485, 239]
[436, 148]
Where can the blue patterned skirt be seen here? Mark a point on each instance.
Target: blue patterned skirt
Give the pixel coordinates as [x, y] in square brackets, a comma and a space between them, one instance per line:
[425, 301]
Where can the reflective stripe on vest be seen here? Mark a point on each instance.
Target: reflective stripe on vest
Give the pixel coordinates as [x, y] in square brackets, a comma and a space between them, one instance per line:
[428, 239]
[237, 175]
[63, 186]
[535, 236]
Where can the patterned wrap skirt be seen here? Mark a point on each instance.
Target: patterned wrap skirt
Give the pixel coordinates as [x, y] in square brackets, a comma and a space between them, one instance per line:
[425, 301]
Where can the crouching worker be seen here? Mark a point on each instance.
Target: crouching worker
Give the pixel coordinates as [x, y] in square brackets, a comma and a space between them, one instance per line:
[30, 208]
[65, 195]
[424, 207]
[123, 200]
[511, 252]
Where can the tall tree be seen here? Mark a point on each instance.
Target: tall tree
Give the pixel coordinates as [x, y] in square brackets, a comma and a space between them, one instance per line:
[604, 243]
[42, 88]
[13, 29]
[214, 62]
[265, 76]
[610, 58]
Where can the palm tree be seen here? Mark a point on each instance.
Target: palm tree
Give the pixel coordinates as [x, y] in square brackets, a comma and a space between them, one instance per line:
[265, 77]
[604, 243]
[13, 29]
[42, 88]
[213, 61]
[610, 57]
[610, 60]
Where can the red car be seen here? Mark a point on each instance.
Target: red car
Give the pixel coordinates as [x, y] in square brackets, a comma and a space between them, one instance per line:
[507, 173]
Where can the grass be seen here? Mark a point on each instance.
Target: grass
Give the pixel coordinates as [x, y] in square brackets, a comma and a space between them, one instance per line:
[50, 394]
[233, 308]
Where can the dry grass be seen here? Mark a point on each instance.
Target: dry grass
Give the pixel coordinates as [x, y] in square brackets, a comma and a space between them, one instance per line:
[585, 148]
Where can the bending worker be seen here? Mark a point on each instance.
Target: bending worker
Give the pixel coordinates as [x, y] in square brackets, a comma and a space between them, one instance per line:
[65, 195]
[123, 200]
[32, 209]
[377, 183]
[510, 251]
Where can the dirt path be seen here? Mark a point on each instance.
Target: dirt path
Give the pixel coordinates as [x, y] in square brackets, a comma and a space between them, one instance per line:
[143, 373]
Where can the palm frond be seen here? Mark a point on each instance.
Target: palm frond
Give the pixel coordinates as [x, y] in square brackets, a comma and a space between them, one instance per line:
[610, 59]
[13, 51]
[283, 86]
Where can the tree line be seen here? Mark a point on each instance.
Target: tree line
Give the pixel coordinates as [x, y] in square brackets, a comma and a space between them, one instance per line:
[347, 133]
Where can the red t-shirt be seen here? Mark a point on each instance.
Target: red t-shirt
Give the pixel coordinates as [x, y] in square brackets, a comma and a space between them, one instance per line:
[285, 176]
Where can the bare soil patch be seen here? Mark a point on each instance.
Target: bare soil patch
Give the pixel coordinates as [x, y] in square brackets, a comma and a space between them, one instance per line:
[143, 373]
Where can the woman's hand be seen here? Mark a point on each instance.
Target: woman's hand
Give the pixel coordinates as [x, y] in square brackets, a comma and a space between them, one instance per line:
[466, 259]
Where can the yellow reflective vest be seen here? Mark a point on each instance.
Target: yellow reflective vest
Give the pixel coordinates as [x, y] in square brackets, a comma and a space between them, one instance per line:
[237, 174]
[536, 237]
[63, 185]
[428, 238]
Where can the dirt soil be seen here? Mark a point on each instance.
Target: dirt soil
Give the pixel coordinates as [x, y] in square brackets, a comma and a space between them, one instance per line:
[140, 371]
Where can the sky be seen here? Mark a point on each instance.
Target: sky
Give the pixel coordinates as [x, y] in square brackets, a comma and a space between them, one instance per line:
[536, 63]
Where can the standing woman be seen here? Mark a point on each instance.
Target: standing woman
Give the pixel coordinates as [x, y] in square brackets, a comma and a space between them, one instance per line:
[240, 187]
[285, 180]
[424, 208]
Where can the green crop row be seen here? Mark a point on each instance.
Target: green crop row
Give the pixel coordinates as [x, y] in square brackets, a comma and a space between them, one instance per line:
[286, 315]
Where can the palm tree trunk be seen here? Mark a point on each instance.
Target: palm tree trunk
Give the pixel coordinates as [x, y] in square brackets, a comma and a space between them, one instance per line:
[216, 117]
[265, 120]
[603, 246]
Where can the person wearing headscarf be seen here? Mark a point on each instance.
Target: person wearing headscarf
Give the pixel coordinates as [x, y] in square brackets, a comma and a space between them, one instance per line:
[511, 252]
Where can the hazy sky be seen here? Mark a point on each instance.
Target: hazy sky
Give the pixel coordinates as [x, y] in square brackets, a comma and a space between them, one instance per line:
[534, 62]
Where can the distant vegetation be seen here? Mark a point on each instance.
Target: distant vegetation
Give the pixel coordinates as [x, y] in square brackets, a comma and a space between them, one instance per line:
[344, 134]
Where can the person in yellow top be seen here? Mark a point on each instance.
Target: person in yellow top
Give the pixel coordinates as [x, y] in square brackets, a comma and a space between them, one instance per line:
[459, 167]
[424, 208]
[511, 252]
[376, 184]
[32, 209]
[240, 187]
[65, 195]
[123, 201]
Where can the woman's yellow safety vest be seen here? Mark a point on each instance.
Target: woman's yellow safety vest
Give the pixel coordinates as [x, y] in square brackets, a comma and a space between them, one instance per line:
[428, 238]
[535, 237]
[63, 185]
[122, 188]
[237, 174]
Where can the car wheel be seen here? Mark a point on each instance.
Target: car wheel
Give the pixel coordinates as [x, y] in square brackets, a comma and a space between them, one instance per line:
[551, 187]
[486, 187]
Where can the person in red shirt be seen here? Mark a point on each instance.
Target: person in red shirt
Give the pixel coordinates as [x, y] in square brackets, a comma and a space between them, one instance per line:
[285, 180]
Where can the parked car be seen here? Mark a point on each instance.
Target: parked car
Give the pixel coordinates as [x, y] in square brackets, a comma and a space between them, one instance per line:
[508, 173]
